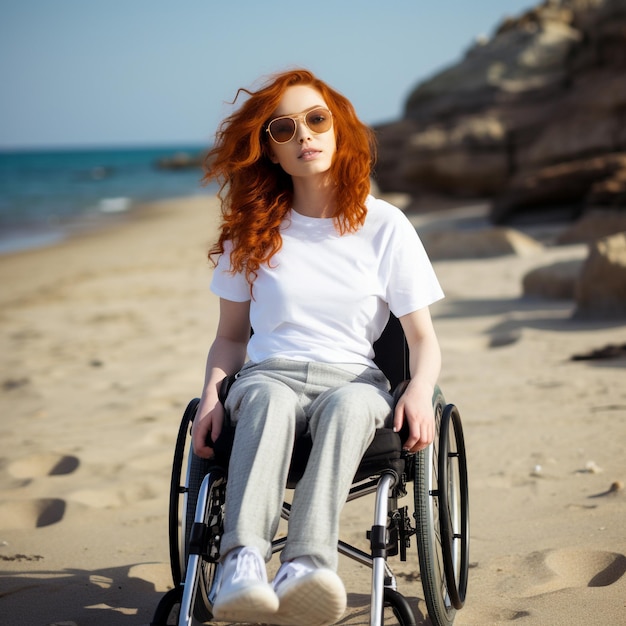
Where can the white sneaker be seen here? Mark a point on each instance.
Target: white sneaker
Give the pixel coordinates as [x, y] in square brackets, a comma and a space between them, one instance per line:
[308, 595]
[244, 595]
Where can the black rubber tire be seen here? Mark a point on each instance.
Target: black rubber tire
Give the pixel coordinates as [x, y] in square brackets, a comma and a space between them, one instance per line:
[164, 614]
[184, 488]
[400, 606]
[427, 520]
[454, 505]
[176, 494]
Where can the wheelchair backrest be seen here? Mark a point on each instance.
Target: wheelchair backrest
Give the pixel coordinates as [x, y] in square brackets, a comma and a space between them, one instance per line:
[392, 352]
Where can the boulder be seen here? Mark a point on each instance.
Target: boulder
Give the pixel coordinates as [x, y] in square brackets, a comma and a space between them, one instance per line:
[525, 57]
[601, 287]
[478, 244]
[567, 185]
[468, 158]
[546, 90]
[555, 282]
[610, 191]
[391, 140]
[592, 226]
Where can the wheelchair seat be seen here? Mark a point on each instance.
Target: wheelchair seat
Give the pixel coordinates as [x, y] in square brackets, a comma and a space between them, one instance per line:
[385, 450]
[440, 518]
[384, 453]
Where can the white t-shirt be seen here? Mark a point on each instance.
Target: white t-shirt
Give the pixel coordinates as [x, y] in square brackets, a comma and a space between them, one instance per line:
[326, 297]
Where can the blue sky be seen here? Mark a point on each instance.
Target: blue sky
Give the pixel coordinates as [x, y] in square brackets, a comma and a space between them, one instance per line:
[160, 72]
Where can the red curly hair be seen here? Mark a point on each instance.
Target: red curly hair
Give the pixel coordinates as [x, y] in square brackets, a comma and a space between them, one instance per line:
[256, 194]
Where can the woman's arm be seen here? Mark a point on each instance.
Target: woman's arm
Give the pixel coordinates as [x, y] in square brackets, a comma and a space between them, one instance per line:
[415, 405]
[226, 356]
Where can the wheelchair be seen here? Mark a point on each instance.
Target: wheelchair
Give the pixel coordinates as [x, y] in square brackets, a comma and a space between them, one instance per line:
[437, 518]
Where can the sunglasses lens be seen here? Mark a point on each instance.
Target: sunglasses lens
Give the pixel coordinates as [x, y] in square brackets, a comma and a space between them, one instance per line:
[319, 120]
[282, 129]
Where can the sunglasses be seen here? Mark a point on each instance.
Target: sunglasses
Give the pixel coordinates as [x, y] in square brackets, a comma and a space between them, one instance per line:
[283, 129]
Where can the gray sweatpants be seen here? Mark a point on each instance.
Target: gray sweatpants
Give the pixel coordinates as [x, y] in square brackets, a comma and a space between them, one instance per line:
[272, 402]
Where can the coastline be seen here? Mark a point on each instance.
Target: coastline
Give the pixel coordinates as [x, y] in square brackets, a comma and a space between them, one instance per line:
[49, 194]
[103, 342]
[169, 221]
[21, 239]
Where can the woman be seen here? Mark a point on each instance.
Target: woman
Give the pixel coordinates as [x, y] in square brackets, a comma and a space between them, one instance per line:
[314, 264]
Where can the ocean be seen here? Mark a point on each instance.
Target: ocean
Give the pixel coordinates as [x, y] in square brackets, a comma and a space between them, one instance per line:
[46, 194]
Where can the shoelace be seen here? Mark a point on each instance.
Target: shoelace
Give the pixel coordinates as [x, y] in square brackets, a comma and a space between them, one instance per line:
[291, 570]
[247, 566]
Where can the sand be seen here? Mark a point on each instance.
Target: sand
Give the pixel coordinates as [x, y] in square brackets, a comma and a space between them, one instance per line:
[103, 340]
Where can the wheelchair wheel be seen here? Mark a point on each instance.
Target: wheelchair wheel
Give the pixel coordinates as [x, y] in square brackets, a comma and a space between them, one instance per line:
[178, 496]
[182, 510]
[166, 613]
[400, 608]
[442, 516]
[454, 505]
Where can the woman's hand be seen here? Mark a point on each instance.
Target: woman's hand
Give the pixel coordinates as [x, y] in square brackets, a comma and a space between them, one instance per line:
[416, 410]
[207, 427]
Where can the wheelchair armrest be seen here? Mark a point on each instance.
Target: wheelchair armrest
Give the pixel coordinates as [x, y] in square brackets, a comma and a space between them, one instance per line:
[225, 385]
[399, 389]
[223, 445]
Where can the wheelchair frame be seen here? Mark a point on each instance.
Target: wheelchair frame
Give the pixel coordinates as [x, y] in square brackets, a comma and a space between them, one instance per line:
[440, 520]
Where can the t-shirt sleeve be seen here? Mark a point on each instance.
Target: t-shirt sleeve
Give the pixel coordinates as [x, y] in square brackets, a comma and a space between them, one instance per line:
[411, 280]
[225, 283]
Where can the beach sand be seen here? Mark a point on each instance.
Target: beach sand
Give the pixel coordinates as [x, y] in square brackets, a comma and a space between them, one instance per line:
[103, 342]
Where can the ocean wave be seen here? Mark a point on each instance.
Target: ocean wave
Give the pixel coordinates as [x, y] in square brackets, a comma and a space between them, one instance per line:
[114, 205]
[16, 241]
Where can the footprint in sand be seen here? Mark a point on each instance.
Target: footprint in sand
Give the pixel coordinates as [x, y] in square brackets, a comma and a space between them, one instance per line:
[31, 513]
[574, 568]
[46, 464]
[36, 512]
[501, 339]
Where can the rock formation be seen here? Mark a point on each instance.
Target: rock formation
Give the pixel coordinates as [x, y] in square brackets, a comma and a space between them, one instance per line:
[478, 244]
[555, 282]
[592, 226]
[181, 161]
[534, 118]
[601, 286]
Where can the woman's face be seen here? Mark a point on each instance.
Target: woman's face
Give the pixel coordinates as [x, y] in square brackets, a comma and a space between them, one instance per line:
[307, 153]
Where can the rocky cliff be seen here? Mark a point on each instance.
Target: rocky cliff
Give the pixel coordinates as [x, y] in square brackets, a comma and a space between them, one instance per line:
[534, 117]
